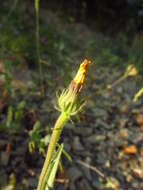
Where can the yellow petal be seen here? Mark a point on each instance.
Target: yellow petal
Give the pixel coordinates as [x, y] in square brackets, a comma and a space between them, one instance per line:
[131, 71]
[80, 76]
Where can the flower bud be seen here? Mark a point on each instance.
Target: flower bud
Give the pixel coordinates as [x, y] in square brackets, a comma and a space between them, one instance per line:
[68, 99]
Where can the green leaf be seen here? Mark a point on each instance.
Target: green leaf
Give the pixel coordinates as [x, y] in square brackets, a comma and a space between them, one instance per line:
[35, 132]
[19, 111]
[66, 154]
[9, 116]
[45, 140]
[31, 146]
[52, 170]
[35, 129]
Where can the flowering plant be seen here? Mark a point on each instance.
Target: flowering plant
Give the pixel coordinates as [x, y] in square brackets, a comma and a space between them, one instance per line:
[68, 105]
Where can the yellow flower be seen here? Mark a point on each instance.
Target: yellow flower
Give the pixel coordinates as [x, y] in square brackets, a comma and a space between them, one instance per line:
[77, 82]
[80, 76]
[68, 99]
[131, 71]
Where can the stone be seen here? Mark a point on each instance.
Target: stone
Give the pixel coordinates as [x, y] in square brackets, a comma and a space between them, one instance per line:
[32, 182]
[84, 184]
[84, 131]
[3, 178]
[77, 144]
[138, 172]
[99, 112]
[4, 158]
[74, 173]
[95, 138]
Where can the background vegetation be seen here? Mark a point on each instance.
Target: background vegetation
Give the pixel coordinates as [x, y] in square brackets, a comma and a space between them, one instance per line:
[108, 134]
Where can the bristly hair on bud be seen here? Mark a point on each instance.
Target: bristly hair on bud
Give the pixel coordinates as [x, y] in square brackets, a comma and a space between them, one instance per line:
[67, 101]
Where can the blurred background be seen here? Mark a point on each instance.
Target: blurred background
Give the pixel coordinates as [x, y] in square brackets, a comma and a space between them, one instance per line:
[41, 47]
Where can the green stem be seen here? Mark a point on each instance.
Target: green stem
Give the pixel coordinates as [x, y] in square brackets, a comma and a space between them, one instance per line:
[38, 45]
[118, 81]
[12, 9]
[52, 145]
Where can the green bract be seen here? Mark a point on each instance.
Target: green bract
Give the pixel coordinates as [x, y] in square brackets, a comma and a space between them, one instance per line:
[69, 103]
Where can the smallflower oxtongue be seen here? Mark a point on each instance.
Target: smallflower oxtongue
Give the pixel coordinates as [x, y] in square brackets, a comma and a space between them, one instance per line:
[68, 104]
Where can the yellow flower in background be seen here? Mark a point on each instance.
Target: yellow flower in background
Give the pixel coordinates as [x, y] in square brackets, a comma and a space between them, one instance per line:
[131, 71]
[138, 94]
